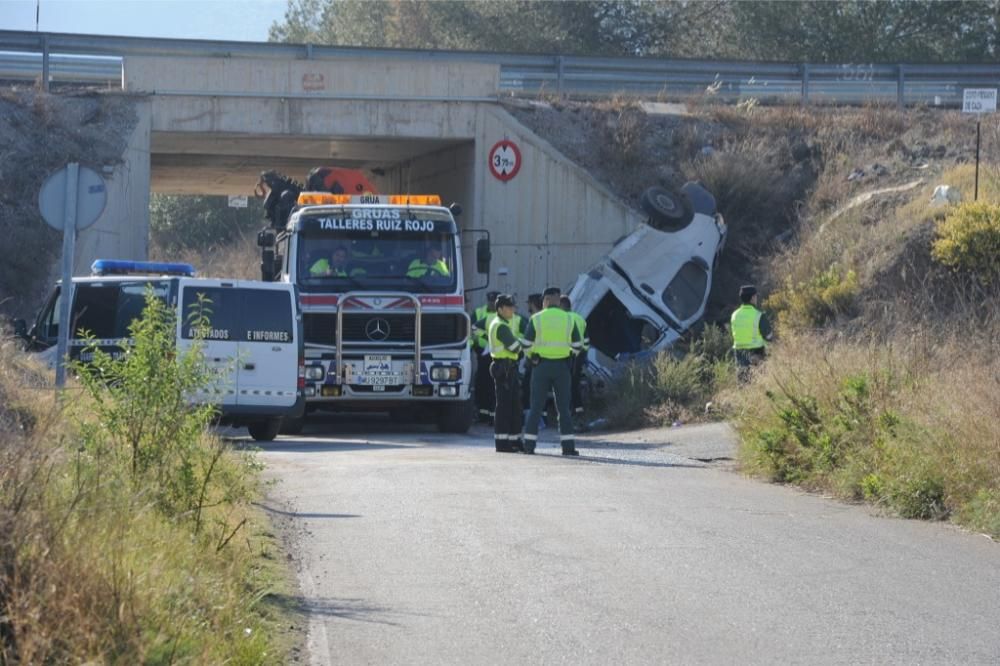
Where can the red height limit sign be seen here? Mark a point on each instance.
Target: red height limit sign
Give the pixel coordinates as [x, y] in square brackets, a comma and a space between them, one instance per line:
[505, 160]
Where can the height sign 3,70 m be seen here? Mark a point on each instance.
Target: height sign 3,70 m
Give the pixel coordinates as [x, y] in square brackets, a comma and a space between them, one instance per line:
[505, 160]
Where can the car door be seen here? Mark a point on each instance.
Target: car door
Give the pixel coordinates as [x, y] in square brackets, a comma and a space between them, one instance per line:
[210, 315]
[268, 364]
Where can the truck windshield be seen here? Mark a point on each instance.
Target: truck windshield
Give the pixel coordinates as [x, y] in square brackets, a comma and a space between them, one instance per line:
[345, 260]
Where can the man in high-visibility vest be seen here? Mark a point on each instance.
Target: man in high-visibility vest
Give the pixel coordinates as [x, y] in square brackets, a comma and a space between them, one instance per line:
[580, 359]
[750, 330]
[505, 350]
[482, 318]
[550, 341]
[431, 264]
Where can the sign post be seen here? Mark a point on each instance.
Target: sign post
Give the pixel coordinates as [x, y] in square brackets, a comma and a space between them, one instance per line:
[71, 199]
[979, 101]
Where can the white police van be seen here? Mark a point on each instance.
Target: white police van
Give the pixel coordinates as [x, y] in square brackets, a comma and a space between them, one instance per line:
[252, 345]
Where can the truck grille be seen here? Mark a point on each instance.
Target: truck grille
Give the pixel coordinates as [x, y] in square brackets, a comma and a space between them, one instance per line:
[437, 329]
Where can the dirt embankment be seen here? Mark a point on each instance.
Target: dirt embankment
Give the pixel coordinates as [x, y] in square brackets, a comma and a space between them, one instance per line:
[775, 171]
[40, 133]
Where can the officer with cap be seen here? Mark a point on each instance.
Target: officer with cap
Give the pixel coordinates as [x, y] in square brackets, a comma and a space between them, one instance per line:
[483, 317]
[750, 330]
[551, 340]
[505, 350]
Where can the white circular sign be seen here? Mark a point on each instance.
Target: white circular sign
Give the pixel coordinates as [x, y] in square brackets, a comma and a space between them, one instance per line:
[505, 160]
[91, 197]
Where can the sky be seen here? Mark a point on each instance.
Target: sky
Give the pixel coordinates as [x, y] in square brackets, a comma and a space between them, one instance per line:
[237, 20]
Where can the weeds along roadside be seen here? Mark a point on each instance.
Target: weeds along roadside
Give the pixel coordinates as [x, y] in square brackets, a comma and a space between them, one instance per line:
[128, 530]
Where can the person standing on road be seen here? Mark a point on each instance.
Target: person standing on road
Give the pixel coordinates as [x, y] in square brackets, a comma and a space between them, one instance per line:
[750, 329]
[580, 359]
[534, 307]
[551, 340]
[505, 350]
[484, 315]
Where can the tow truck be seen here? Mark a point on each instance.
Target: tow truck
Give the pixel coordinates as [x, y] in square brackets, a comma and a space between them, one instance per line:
[380, 283]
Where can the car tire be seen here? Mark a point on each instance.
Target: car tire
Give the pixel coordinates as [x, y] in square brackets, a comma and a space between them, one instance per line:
[264, 431]
[457, 417]
[667, 210]
[292, 426]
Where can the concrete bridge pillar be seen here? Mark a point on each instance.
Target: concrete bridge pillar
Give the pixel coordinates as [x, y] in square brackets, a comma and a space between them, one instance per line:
[122, 232]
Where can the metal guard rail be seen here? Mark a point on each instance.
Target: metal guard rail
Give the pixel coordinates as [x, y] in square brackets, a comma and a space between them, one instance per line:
[57, 56]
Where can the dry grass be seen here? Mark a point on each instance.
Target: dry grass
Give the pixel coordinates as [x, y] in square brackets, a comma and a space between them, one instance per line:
[885, 422]
[240, 260]
[94, 573]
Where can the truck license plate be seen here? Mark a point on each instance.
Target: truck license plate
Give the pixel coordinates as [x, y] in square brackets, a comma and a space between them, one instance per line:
[378, 371]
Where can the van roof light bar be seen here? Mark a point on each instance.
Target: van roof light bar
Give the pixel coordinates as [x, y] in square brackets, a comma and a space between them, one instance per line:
[125, 267]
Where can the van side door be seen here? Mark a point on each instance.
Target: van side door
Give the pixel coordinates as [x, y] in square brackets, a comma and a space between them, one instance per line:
[269, 347]
[217, 306]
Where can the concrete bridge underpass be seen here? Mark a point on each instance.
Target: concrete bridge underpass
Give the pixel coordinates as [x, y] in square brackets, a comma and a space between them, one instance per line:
[210, 125]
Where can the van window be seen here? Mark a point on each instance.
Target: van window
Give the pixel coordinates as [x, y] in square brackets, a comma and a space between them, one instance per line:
[106, 310]
[267, 315]
[240, 315]
[686, 292]
[221, 306]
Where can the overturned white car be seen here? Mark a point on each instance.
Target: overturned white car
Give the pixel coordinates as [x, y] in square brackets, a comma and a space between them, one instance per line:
[653, 285]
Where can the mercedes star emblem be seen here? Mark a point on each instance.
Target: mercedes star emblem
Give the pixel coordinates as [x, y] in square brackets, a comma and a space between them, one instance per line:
[377, 329]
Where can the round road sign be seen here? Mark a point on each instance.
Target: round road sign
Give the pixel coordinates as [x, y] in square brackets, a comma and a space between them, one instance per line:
[91, 196]
[505, 160]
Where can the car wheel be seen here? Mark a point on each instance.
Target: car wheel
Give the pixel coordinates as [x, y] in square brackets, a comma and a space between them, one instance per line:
[264, 431]
[667, 210]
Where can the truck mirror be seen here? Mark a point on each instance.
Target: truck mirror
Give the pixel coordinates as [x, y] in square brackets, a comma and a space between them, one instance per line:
[20, 328]
[265, 238]
[267, 265]
[456, 209]
[483, 256]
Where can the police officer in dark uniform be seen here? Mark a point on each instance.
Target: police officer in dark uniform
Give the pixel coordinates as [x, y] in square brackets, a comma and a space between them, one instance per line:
[505, 350]
[551, 341]
[751, 331]
[483, 317]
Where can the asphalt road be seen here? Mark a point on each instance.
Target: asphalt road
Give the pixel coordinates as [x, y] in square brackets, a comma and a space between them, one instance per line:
[420, 548]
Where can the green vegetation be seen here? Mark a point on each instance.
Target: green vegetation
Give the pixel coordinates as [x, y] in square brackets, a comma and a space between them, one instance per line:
[908, 428]
[671, 388]
[968, 241]
[817, 302]
[129, 536]
[850, 31]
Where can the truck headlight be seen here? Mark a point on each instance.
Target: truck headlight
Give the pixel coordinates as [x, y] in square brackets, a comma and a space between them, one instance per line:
[446, 374]
[315, 372]
[448, 391]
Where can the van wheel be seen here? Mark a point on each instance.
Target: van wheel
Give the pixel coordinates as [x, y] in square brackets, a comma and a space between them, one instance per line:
[264, 431]
[668, 211]
[456, 418]
[292, 426]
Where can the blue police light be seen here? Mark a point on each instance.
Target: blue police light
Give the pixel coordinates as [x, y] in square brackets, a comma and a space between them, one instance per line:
[124, 267]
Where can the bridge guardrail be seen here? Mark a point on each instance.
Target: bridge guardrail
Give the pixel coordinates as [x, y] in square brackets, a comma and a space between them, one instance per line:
[97, 59]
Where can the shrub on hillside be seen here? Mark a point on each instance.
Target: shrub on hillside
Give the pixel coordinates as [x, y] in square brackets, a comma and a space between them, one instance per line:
[886, 424]
[119, 516]
[968, 241]
[816, 302]
[666, 388]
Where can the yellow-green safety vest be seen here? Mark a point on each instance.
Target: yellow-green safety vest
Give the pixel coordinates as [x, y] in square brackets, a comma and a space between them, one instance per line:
[497, 348]
[745, 326]
[418, 268]
[553, 333]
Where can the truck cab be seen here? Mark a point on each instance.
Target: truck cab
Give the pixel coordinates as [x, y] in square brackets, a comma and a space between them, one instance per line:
[381, 287]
